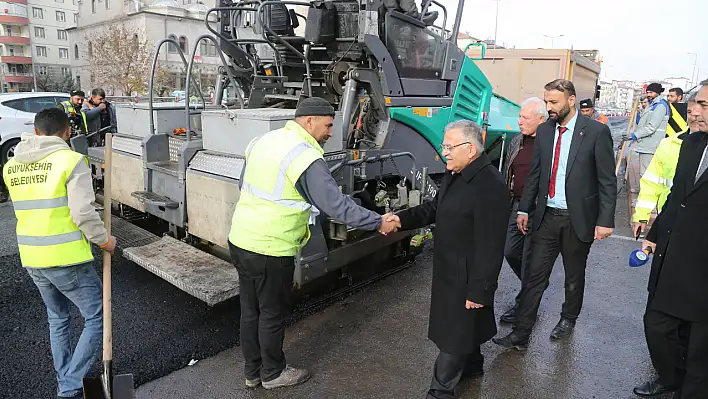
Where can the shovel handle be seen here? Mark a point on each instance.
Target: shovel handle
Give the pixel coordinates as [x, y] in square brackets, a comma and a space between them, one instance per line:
[107, 315]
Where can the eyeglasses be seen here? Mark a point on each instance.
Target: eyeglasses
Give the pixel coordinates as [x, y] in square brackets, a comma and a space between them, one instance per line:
[448, 147]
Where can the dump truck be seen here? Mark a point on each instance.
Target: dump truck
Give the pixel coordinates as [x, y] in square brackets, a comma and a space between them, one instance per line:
[395, 80]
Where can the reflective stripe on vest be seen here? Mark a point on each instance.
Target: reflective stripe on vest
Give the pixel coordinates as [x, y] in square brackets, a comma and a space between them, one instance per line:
[46, 233]
[677, 124]
[271, 217]
[68, 106]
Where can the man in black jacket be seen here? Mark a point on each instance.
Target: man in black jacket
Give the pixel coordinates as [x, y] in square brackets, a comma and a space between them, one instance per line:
[573, 189]
[679, 271]
[470, 213]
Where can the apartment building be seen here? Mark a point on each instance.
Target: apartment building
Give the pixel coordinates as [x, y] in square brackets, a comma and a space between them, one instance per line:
[34, 40]
[182, 21]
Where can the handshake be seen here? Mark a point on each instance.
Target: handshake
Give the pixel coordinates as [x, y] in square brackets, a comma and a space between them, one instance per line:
[389, 223]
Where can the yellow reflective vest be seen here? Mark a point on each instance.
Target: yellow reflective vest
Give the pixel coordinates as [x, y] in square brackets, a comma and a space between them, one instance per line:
[677, 124]
[70, 110]
[46, 234]
[271, 217]
[655, 184]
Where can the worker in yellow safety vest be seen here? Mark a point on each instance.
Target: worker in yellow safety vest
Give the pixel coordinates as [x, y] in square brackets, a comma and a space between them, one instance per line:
[51, 190]
[73, 109]
[655, 184]
[284, 186]
[677, 121]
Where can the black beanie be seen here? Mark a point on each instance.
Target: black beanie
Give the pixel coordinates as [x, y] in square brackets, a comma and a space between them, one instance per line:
[587, 103]
[656, 88]
[314, 106]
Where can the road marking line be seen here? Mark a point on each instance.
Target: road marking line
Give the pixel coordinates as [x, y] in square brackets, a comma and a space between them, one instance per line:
[624, 238]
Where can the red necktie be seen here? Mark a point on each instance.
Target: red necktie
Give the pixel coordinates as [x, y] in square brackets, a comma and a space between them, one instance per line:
[556, 158]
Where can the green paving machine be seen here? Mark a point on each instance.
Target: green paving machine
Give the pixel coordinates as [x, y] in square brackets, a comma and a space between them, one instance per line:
[394, 73]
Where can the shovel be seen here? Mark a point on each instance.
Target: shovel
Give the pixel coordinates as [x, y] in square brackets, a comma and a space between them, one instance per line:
[108, 386]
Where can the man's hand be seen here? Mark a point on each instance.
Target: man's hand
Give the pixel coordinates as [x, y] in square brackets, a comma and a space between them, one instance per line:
[602, 232]
[638, 227]
[111, 245]
[102, 106]
[522, 222]
[472, 305]
[389, 223]
[648, 244]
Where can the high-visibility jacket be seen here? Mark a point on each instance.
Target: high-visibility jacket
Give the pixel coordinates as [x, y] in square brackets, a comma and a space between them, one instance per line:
[271, 217]
[46, 233]
[71, 111]
[655, 184]
[600, 117]
[677, 122]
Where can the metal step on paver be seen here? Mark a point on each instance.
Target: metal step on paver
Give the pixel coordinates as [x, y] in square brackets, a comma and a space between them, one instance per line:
[198, 273]
[195, 272]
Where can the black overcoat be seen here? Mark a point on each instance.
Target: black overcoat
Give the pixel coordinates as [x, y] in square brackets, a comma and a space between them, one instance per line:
[470, 213]
[678, 283]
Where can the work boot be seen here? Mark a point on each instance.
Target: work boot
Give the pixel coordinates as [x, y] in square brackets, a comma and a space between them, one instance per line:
[288, 377]
[513, 341]
[563, 329]
[653, 388]
[509, 317]
[253, 383]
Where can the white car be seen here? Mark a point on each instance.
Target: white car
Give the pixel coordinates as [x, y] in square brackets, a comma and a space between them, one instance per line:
[17, 112]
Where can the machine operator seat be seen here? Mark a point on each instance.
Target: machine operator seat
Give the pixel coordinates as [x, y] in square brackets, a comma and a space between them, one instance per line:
[409, 8]
[283, 22]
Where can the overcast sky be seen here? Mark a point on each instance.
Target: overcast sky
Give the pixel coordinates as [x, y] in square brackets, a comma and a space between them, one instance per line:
[638, 39]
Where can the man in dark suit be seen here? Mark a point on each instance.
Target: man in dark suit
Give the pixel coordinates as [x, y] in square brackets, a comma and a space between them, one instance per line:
[572, 189]
[679, 271]
[470, 213]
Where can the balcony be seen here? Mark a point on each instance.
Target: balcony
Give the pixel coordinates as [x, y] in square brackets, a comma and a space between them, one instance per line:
[18, 77]
[17, 1]
[15, 59]
[14, 20]
[14, 39]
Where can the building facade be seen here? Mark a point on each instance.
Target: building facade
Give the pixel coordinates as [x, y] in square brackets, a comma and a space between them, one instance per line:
[182, 22]
[15, 48]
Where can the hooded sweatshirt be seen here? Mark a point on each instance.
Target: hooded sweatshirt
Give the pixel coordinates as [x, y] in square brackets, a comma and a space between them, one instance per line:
[79, 187]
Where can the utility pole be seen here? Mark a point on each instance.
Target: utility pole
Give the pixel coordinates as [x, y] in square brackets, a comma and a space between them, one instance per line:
[553, 38]
[496, 23]
[695, 63]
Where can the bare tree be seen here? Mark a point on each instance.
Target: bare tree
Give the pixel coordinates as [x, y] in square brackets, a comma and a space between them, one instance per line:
[121, 59]
[60, 84]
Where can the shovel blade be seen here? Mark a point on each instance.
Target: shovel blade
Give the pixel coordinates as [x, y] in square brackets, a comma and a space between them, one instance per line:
[123, 387]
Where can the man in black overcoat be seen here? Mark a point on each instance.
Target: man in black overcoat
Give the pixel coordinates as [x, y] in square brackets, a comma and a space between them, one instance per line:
[470, 212]
[678, 283]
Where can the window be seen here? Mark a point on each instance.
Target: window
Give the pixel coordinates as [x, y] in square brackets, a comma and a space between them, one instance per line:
[65, 71]
[76, 51]
[38, 32]
[93, 6]
[64, 53]
[204, 48]
[90, 50]
[42, 70]
[61, 34]
[41, 51]
[61, 17]
[212, 49]
[78, 81]
[33, 104]
[108, 4]
[76, 18]
[171, 46]
[11, 50]
[37, 13]
[183, 43]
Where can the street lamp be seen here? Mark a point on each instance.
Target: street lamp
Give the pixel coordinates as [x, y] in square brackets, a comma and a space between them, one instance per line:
[553, 38]
[695, 63]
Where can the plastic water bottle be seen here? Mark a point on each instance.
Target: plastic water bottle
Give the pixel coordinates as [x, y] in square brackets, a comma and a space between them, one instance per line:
[639, 257]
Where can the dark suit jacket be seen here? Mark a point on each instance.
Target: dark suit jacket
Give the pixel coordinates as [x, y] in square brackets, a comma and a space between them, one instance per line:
[470, 213]
[679, 271]
[590, 186]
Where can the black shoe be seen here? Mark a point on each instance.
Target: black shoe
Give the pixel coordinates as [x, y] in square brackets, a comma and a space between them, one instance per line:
[509, 317]
[474, 367]
[563, 329]
[653, 388]
[79, 395]
[3, 196]
[513, 341]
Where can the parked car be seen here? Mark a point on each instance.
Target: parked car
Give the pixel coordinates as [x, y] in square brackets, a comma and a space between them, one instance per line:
[17, 112]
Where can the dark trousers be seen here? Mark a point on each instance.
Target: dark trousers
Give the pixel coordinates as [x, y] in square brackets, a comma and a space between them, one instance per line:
[265, 287]
[687, 370]
[554, 236]
[449, 369]
[517, 249]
